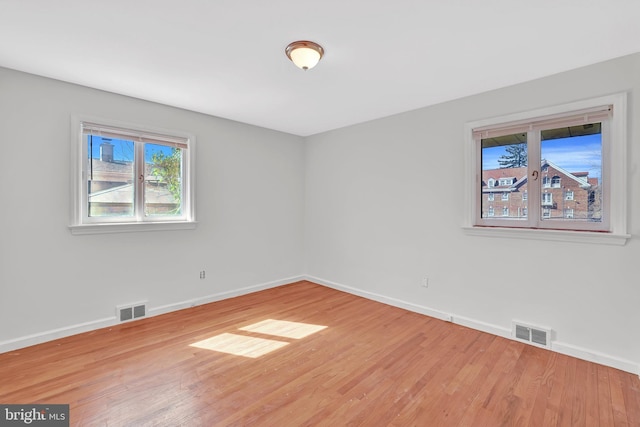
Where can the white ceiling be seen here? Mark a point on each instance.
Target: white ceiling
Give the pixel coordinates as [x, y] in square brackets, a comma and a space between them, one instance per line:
[226, 57]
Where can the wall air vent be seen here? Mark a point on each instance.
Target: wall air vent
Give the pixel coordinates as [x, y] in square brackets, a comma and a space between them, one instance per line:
[530, 334]
[128, 312]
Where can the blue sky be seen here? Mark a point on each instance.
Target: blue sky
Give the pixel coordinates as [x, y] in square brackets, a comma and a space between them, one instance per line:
[123, 150]
[575, 154]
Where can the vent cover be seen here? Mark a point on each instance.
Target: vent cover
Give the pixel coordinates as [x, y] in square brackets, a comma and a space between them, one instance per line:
[125, 313]
[535, 335]
[523, 333]
[139, 311]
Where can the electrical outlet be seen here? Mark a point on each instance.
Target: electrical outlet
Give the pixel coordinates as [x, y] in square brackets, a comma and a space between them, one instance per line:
[425, 282]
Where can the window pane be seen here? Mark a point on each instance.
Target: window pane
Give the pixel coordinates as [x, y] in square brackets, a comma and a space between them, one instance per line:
[163, 180]
[504, 169]
[572, 167]
[110, 177]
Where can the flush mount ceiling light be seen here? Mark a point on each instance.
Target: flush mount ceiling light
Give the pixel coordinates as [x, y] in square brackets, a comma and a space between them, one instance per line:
[304, 54]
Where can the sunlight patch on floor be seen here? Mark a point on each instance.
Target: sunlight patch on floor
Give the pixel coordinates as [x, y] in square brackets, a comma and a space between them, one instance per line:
[240, 345]
[283, 328]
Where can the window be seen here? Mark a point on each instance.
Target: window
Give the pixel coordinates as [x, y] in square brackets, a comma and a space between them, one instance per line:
[562, 158]
[131, 178]
[505, 196]
[505, 211]
[490, 197]
[491, 211]
[491, 183]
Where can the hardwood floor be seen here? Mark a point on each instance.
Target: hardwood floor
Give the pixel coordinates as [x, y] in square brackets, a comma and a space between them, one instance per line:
[372, 365]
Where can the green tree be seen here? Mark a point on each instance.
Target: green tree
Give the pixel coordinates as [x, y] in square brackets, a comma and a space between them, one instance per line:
[516, 156]
[167, 167]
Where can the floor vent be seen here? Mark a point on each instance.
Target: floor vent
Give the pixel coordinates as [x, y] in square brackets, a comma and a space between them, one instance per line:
[129, 312]
[535, 335]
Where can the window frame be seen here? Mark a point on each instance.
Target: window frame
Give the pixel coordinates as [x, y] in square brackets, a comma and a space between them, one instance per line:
[82, 223]
[614, 178]
[534, 129]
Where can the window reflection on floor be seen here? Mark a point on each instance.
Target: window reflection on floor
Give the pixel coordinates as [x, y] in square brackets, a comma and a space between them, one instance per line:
[284, 328]
[254, 347]
[240, 345]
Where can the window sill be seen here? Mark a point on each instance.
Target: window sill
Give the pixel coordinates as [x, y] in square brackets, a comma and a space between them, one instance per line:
[550, 235]
[131, 227]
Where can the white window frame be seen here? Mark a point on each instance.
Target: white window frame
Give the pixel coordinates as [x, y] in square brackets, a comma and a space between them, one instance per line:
[505, 195]
[81, 223]
[490, 197]
[614, 178]
[568, 195]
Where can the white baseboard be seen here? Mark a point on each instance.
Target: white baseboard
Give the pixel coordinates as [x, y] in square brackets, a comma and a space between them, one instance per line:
[38, 338]
[382, 298]
[222, 295]
[483, 326]
[594, 356]
[558, 347]
[54, 334]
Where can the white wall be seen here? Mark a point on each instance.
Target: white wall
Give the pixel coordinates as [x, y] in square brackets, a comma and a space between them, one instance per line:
[385, 206]
[250, 201]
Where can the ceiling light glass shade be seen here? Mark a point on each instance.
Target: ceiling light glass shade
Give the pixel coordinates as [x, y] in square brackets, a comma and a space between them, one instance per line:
[304, 54]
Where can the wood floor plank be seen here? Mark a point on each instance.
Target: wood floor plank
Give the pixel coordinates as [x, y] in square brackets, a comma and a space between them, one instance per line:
[617, 388]
[631, 398]
[371, 365]
[555, 393]
[578, 413]
[592, 412]
[605, 408]
[547, 380]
